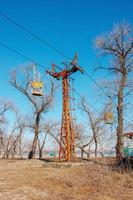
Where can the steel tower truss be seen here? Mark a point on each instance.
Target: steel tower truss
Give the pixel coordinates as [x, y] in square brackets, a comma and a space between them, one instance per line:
[67, 145]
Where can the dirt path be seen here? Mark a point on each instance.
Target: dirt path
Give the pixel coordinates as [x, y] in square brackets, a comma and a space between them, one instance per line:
[37, 180]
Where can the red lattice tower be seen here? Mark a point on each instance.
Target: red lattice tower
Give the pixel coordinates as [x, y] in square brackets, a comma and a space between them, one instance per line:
[67, 145]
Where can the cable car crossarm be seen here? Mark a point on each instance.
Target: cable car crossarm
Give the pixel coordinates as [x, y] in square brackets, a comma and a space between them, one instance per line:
[66, 72]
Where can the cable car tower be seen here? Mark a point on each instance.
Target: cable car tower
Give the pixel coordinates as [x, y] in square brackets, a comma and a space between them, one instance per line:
[67, 146]
[108, 115]
[36, 84]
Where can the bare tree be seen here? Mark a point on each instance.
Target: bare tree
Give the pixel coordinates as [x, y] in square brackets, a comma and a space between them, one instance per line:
[2, 143]
[55, 133]
[13, 141]
[94, 124]
[22, 125]
[47, 130]
[40, 104]
[118, 44]
[5, 106]
[83, 141]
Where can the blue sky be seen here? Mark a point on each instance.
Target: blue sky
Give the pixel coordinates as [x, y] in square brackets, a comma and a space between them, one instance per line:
[70, 26]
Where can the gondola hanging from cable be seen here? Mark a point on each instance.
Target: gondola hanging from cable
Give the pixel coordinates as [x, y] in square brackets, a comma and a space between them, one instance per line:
[108, 115]
[36, 84]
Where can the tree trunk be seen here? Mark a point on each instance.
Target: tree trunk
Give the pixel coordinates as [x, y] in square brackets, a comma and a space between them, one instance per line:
[2, 150]
[20, 147]
[7, 151]
[82, 153]
[7, 155]
[89, 152]
[40, 154]
[34, 144]
[95, 141]
[41, 147]
[33, 147]
[119, 145]
[88, 155]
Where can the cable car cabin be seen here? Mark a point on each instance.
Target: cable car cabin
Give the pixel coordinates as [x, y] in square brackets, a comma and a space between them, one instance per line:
[37, 88]
[108, 118]
[128, 145]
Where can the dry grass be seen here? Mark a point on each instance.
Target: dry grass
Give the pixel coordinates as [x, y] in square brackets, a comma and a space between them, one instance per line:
[38, 180]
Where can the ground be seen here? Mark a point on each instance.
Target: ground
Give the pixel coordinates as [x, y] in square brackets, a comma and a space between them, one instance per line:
[41, 180]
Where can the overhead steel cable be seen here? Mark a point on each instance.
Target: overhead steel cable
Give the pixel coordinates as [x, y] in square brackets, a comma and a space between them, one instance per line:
[43, 42]
[82, 98]
[33, 35]
[86, 101]
[130, 120]
[34, 61]
[22, 55]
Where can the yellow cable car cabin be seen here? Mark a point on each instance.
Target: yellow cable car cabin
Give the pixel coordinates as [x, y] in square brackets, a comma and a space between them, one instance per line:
[36, 84]
[37, 88]
[108, 115]
[108, 118]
